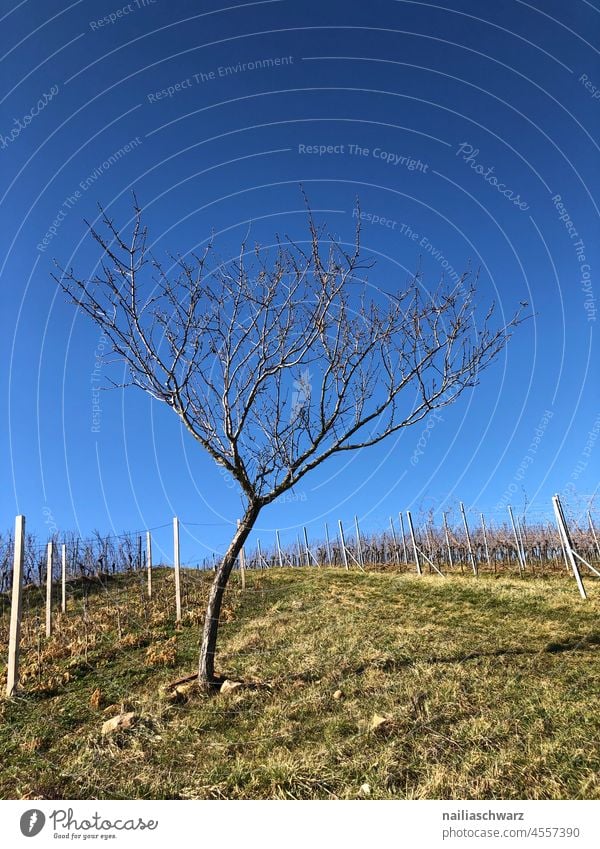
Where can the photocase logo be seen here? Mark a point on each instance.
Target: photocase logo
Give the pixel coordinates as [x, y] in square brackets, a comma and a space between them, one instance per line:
[32, 822]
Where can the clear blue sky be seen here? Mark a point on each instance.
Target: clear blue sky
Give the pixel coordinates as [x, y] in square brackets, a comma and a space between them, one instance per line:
[485, 96]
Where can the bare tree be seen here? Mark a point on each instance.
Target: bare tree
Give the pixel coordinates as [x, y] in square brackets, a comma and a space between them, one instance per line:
[276, 361]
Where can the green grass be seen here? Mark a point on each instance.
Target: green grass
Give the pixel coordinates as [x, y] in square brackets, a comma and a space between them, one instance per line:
[489, 688]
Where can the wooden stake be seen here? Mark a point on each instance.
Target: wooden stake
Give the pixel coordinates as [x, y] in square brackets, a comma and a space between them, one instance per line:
[261, 559]
[149, 561]
[63, 581]
[396, 549]
[358, 544]
[432, 564]
[450, 562]
[176, 566]
[485, 542]
[414, 542]
[404, 551]
[585, 563]
[343, 542]
[470, 547]
[15, 609]
[519, 553]
[520, 533]
[593, 530]
[309, 555]
[429, 542]
[279, 554]
[49, 590]
[327, 544]
[568, 545]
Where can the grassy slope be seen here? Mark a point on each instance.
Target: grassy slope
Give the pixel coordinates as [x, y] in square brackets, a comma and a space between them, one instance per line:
[489, 688]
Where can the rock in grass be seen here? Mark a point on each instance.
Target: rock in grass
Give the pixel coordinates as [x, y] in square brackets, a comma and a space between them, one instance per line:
[365, 789]
[184, 691]
[338, 695]
[119, 723]
[380, 724]
[230, 686]
[96, 699]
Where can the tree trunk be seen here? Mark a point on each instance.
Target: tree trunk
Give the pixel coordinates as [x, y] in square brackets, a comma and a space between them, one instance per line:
[206, 669]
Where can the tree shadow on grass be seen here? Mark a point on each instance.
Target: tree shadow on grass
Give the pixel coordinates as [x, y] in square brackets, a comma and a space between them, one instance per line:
[569, 644]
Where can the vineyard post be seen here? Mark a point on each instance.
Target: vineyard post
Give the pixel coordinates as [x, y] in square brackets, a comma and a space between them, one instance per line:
[469, 546]
[309, 553]
[572, 547]
[74, 558]
[485, 542]
[176, 566]
[149, 561]
[450, 563]
[568, 545]
[261, 559]
[327, 545]
[404, 551]
[519, 552]
[359, 550]
[343, 542]
[279, 554]
[523, 532]
[593, 530]
[63, 580]
[414, 542]
[429, 538]
[396, 549]
[521, 538]
[49, 589]
[12, 678]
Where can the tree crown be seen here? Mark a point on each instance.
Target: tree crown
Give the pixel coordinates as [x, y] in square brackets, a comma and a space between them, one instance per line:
[276, 361]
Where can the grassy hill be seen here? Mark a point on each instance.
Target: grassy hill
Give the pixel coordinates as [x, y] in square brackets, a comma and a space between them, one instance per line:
[416, 687]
